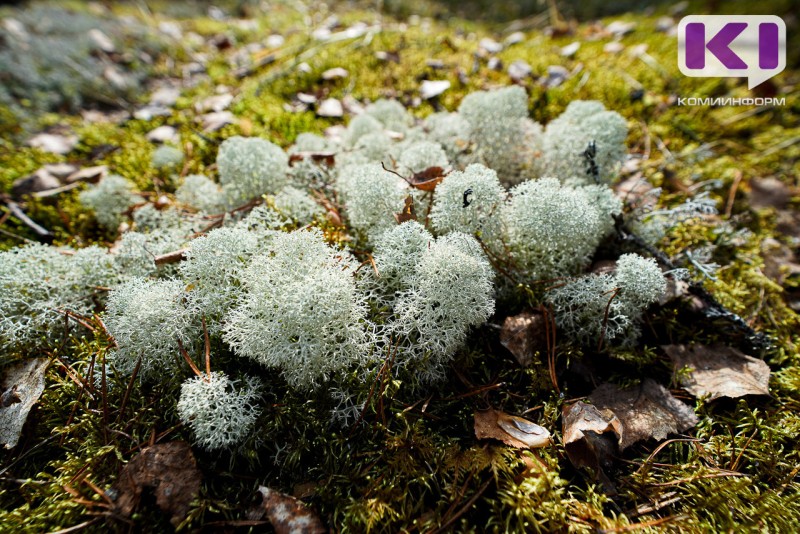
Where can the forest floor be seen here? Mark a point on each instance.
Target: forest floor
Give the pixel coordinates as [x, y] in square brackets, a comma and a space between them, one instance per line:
[412, 464]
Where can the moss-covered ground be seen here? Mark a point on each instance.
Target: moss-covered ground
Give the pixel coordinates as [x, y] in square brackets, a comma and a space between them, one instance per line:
[415, 464]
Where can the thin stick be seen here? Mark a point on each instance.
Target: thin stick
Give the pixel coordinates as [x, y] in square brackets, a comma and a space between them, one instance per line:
[605, 320]
[41, 231]
[464, 508]
[129, 388]
[171, 257]
[208, 350]
[188, 358]
[732, 193]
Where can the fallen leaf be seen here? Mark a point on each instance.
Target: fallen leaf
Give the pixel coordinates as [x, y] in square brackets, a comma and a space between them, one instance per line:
[490, 45]
[22, 385]
[41, 180]
[620, 27]
[614, 47]
[571, 49]
[330, 107]
[165, 96]
[644, 411]
[215, 121]
[215, 103]
[428, 179]
[54, 143]
[408, 213]
[151, 110]
[88, 174]
[163, 134]
[524, 335]
[170, 470]
[328, 158]
[519, 70]
[514, 38]
[769, 192]
[718, 371]
[287, 514]
[432, 88]
[556, 75]
[335, 73]
[590, 439]
[510, 429]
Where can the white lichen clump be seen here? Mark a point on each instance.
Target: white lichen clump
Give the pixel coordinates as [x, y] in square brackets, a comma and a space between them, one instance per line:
[167, 157]
[250, 167]
[110, 199]
[221, 412]
[506, 139]
[449, 292]
[201, 193]
[567, 137]
[301, 313]
[147, 318]
[371, 195]
[551, 230]
[599, 308]
[469, 201]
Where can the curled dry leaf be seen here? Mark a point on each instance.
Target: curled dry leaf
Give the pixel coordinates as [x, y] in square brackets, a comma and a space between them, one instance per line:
[718, 371]
[524, 335]
[428, 179]
[287, 514]
[510, 429]
[643, 412]
[170, 470]
[327, 158]
[408, 213]
[22, 385]
[590, 439]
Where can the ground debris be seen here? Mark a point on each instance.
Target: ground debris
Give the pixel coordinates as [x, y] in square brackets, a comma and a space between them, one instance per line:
[645, 411]
[170, 469]
[590, 439]
[524, 335]
[510, 429]
[22, 385]
[718, 371]
[287, 514]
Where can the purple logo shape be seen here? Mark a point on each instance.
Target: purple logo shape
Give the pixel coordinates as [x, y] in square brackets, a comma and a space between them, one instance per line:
[753, 46]
[718, 45]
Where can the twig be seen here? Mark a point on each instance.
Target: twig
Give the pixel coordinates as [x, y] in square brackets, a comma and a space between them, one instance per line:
[207, 343]
[464, 508]
[17, 212]
[171, 257]
[737, 179]
[129, 388]
[605, 320]
[188, 358]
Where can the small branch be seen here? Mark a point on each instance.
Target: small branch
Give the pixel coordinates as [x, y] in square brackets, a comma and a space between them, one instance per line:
[171, 257]
[207, 343]
[17, 212]
[188, 358]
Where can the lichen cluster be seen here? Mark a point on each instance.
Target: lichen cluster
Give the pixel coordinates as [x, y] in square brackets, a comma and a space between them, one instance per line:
[346, 350]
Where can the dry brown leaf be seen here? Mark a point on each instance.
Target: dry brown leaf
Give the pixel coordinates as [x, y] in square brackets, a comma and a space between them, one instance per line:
[644, 411]
[327, 158]
[524, 335]
[590, 439]
[21, 387]
[428, 179]
[510, 429]
[170, 470]
[287, 514]
[718, 371]
[408, 213]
